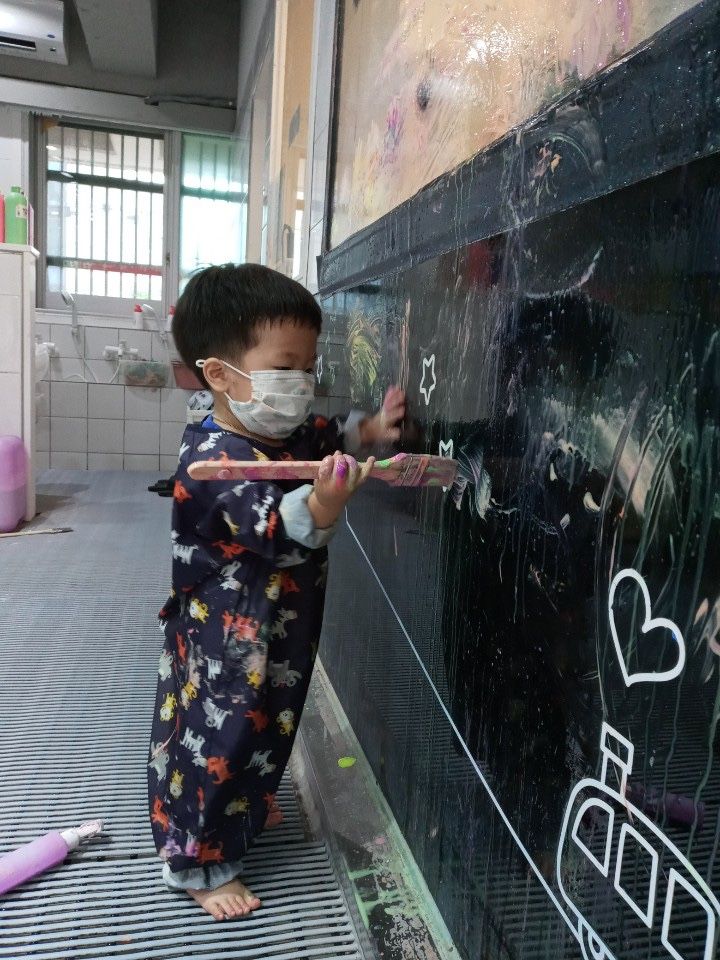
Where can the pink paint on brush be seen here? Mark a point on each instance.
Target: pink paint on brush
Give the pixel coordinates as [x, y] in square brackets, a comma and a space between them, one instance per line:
[402, 470]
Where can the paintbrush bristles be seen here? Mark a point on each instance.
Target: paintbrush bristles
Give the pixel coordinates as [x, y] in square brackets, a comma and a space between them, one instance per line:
[402, 470]
[416, 470]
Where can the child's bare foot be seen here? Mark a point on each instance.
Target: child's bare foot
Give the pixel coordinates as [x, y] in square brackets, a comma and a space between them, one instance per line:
[274, 818]
[231, 900]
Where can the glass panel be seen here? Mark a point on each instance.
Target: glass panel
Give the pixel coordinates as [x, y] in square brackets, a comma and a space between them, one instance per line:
[114, 224]
[99, 153]
[129, 198]
[424, 86]
[54, 145]
[129, 157]
[113, 284]
[199, 247]
[54, 218]
[213, 226]
[115, 167]
[568, 583]
[158, 174]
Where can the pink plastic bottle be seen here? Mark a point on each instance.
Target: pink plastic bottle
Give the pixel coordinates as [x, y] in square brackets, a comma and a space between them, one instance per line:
[13, 482]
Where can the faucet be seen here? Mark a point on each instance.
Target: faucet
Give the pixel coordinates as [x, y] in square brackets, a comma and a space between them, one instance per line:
[149, 311]
[69, 300]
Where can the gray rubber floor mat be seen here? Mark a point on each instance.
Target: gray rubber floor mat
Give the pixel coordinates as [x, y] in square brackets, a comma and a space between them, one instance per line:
[78, 659]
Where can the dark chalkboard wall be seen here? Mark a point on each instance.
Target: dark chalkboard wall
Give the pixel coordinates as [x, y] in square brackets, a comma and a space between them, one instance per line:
[532, 659]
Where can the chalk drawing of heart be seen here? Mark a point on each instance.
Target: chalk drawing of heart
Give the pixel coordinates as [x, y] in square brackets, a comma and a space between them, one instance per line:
[649, 624]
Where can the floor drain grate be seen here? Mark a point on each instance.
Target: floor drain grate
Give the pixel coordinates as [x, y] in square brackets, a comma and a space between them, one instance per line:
[77, 668]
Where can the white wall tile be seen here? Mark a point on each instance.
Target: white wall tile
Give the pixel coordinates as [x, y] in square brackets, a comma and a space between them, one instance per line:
[168, 463]
[106, 436]
[42, 399]
[138, 340]
[173, 405]
[68, 434]
[105, 461]
[68, 399]
[105, 371]
[68, 461]
[61, 368]
[170, 436]
[96, 339]
[160, 351]
[142, 436]
[65, 343]
[43, 330]
[42, 434]
[142, 403]
[42, 461]
[141, 462]
[106, 401]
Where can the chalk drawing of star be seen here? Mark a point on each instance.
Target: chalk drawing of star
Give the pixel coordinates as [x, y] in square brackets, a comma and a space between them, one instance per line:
[447, 450]
[319, 368]
[426, 391]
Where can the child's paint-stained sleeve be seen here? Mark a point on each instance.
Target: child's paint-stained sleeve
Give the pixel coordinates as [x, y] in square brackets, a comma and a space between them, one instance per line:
[261, 518]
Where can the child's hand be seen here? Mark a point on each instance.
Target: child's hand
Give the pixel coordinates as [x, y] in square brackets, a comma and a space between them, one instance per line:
[384, 426]
[338, 478]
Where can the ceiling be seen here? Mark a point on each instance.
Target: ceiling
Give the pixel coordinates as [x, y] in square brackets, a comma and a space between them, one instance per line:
[121, 37]
[185, 48]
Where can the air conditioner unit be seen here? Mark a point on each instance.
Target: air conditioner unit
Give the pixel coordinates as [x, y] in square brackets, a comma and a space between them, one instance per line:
[34, 29]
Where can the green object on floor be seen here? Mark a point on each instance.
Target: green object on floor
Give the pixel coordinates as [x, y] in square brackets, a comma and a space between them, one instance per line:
[345, 762]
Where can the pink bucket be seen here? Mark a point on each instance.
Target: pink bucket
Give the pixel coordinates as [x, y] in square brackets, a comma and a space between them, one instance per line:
[13, 482]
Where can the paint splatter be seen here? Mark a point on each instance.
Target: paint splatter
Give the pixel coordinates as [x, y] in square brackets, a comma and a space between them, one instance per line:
[473, 476]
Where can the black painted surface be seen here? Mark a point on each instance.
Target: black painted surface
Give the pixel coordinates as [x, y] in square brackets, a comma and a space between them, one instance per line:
[578, 376]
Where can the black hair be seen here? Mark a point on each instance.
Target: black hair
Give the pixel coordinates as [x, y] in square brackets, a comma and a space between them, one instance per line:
[220, 309]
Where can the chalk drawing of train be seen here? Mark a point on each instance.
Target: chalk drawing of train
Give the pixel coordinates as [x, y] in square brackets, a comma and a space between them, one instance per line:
[672, 894]
[675, 893]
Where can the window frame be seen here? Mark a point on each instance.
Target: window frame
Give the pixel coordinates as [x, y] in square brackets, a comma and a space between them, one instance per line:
[112, 307]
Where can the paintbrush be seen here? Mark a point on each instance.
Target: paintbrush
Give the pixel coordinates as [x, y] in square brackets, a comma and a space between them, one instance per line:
[37, 531]
[402, 470]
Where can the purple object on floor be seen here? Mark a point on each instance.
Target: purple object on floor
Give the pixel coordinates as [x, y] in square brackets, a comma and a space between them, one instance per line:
[681, 811]
[13, 482]
[42, 854]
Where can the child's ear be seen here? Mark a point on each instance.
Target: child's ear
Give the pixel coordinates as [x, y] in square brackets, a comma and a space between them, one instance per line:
[216, 374]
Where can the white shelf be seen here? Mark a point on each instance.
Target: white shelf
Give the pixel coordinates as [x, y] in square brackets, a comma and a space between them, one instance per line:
[17, 357]
[18, 248]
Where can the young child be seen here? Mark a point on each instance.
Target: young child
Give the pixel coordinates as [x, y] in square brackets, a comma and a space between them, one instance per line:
[249, 566]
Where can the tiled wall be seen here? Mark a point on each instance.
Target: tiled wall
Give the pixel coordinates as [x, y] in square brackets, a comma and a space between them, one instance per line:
[105, 425]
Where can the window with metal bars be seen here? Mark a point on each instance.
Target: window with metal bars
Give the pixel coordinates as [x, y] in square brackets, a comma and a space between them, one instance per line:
[105, 200]
[126, 223]
[213, 203]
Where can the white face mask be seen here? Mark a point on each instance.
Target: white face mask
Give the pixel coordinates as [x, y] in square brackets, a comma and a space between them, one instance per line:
[280, 402]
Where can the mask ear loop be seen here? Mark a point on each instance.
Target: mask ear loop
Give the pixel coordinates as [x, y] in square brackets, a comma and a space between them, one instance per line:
[200, 364]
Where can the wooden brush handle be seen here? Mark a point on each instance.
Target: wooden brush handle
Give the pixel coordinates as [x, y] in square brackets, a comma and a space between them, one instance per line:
[402, 470]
